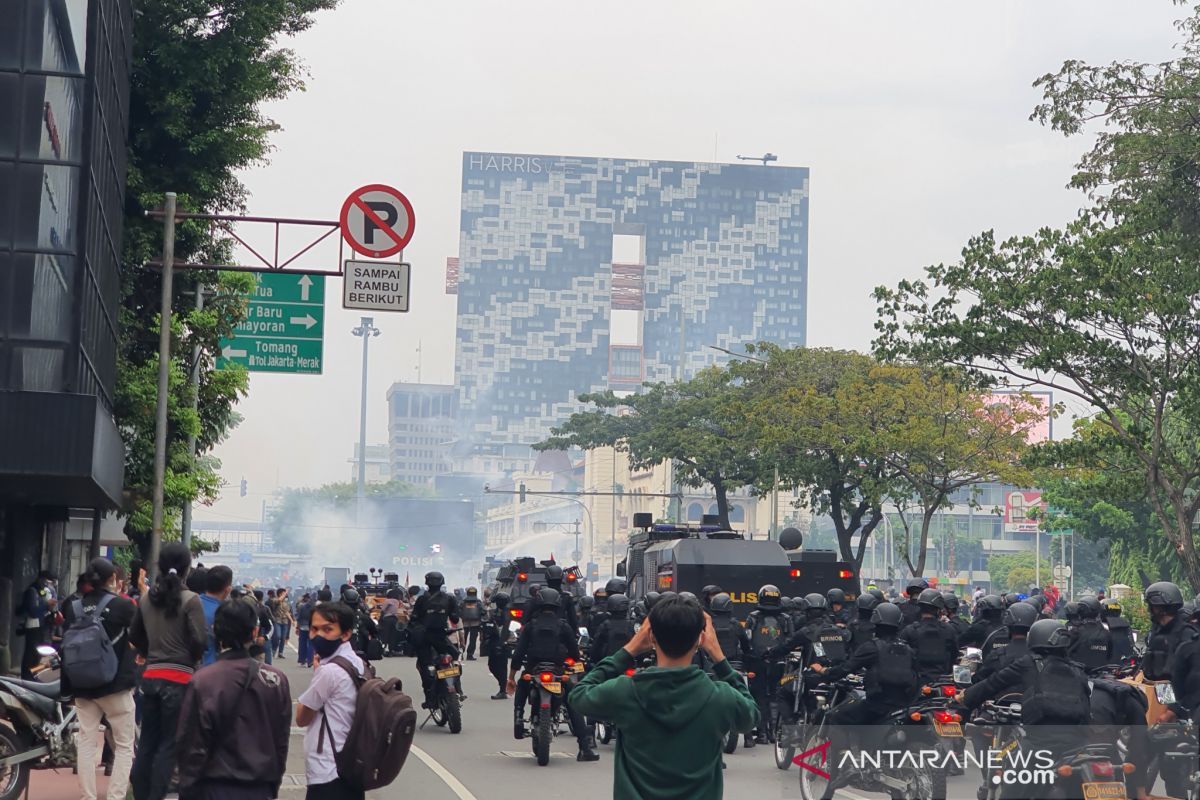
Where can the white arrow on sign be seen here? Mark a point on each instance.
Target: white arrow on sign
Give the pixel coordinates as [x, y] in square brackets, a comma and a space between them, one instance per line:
[307, 321]
[229, 352]
[305, 284]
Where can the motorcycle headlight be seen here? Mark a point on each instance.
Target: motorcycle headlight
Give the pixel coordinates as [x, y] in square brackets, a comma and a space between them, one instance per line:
[1165, 693]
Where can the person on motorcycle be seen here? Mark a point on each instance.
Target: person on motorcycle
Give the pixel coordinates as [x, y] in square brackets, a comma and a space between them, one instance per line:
[990, 610]
[911, 610]
[495, 642]
[432, 616]
[1118, 706]
[889, 669]
[934, 642]
[839, 612]
[951, 611]
[566, 610]
[1168, 649]
[766, 627]
[798, 613]
[584, 608]
[616, 630]
[862, 630]
[1056, 693]
[600, 609]
[1120, 631]
[1093, 644]
[1008, 643]
[547, 639]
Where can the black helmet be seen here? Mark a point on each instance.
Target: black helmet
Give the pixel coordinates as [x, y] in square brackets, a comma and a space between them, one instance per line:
[799, 604]
[617, 605]
[991, 604]
[1166, 594]
[769, 597]
[650, 599]
[639, 610]
[615, 586]
[1020, 616]
[395, 593]
[1071, 611]
[877, 593]
[434, 580]
[350, 597]
[887, 615]
[1111, 609]
[689, 596]
[866, 603]
[950, 600]
[816, 600]
[1009, 598]
[554, 576]
[916, 586]
[930, 600]
[1089, 608]
[787, 604]
[548, 598]
[1049, 636]
[721, 603]
[472, 591]
[586, 602]
[835, 595]
[710, 591]
[501, 599]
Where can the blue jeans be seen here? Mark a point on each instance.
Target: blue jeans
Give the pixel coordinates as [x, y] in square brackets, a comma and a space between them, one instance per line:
[305, 655]
[279, 637]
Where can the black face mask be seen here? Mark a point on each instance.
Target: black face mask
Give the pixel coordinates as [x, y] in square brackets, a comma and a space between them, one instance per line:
[324, 647]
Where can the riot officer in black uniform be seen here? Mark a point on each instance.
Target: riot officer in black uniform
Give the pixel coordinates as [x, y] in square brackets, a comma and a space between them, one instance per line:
[430, 624]
[497, 641]
[862, 630]
[990, 609]
[912, 610]
[365, 639]
[600, 610]
[1092, 645]
[951, 608]
[1119, 631]
[839, 612]
[471, 611]
[1007, 643]
[934, 641]
[566, 610]
[584, 607]
[708, 593]
[729, 631]
[766, 627]
[1168, 648]
[614, 632]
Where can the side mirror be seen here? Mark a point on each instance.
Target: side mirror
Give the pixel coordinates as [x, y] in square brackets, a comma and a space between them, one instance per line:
[621, 568]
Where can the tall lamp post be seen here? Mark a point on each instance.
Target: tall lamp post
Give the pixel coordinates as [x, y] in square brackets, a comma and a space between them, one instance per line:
[366, 329]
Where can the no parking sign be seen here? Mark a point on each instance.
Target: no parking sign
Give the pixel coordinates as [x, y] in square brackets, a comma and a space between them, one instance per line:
[377, 220]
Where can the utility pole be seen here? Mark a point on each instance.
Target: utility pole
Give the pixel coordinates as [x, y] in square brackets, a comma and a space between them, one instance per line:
[366, 329]
[186, 521]
[164, 371]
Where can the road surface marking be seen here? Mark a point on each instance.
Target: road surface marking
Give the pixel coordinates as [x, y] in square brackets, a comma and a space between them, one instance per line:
[452, 783]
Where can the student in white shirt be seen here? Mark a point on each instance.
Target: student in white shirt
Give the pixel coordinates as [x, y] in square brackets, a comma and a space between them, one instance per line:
[331, 695]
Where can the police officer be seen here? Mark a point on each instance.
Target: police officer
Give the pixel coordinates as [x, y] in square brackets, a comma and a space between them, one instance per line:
[432, 615]
[934, 642]
[1055, 691]
[600, 609]
[547, 638]
[365, 638]
[1092, 646]
[889, 679]
[862, 630]
[1168, 632]
[554, 580]
[952, 607]
[766, 627]
[911, 610]
[1119, 630]
[614, 632]
[472, 618]
[820, 629]
[1118, 706]
[1008, 643]
[708, 593]
[990, 609]
[497, 639]
[584, 606]
[728, 630]
[839, 612]
[798, 613]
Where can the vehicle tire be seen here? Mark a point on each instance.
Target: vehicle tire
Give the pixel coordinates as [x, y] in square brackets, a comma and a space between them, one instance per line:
[783, 755]
[731, 743]
[454, 713]
[812, 785]
[938, 777]
[13, 780]
[604, 732]
[542, 737]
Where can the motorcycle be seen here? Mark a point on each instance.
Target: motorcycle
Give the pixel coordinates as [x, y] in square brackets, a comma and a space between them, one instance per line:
[448, 696]
[547, 705]
[791, 711]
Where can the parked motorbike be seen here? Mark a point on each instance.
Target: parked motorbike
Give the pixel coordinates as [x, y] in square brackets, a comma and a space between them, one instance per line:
[447, 675]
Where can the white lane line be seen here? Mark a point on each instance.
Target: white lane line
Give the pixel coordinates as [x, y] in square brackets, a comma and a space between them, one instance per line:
[453, 783]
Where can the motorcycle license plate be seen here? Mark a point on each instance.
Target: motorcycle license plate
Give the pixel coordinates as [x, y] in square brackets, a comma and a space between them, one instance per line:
[449, 672]
[948, 729]
[577, 667]
[1096, 791]
[786, 679]
[553, 688]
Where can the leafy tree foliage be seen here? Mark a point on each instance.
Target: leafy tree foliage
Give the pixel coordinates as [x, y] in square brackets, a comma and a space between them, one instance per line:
[201, 71]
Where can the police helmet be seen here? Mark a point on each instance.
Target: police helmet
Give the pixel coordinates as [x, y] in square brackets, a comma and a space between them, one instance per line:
[1049, 636]
[501, 599]
[689, 596]
[1038, 601]
[877, 593]
[1089, 608]
[586, 602]
[816, 601]
[617, 605]
[1111, 609]
[887, 615]
[554, 576]
[799, 604]
[866, 603]
[1165, 594]
[548, 598]
[472, 592]
[1071, 611]
[991, 604]
[769, 597]
[639, 609]
[350, 597]
[916, 586]
[1010, 598]
[1020, 616]
[836, 595]
[930, 600]
[600, 595]
[434, 580]
[721, 603]
[1188, 610]
[650, 599]
[950, 600]
[395, 594]
[710, 591]
[615, 586]
[787, 604]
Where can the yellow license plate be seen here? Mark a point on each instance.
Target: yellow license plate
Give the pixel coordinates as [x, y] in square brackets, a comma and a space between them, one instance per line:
[450, 672]
[577, 667]
[787, 679]
[948, 729]
[1113, 790]
[553, 688]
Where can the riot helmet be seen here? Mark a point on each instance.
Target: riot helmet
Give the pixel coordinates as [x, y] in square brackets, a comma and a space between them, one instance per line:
[721, 603]
[916, 586]
[690, 597]
[866, 604]
[1089, 608]
[350, 597]
[950, 601]
[1071, 611]
[615, 586]
[472, 593]
[650, 599]
[816, 600]
[836, 595]
[1166, 595]
[1020, 617]
[434, 581]
[554, 576]
[991, 606]
[877, 593]
[548, 598]
[1049, 636]
[710, 591]
[1111, 609]
[617, 605]
[769, 597]
[638, 612]
[888, 617]
[787, 604]
[586, 602]
[930, 600]
[799, 605]
[501, 599]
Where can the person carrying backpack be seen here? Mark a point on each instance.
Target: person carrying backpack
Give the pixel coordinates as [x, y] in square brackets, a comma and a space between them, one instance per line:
[98, 671]
[934, 641]
[615, 631]
[471, 613]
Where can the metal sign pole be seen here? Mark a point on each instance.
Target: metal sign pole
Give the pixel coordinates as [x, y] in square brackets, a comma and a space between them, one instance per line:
[164, 370]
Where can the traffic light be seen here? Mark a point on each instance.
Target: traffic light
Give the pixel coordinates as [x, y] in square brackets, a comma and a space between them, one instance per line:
[243, 487]
[522, 493]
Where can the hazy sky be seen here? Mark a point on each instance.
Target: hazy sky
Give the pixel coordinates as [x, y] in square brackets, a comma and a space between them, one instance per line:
[913, 118]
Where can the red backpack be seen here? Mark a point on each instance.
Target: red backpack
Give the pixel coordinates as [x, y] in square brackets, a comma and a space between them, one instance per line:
[380, 734]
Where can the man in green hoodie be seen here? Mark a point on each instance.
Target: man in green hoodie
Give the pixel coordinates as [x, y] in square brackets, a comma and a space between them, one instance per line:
[673, 717]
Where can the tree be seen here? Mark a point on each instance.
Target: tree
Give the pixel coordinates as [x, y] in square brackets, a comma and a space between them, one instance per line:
[1103, 310]
[693, 423]
[287, 523]
[201, 71]
[1015, 572]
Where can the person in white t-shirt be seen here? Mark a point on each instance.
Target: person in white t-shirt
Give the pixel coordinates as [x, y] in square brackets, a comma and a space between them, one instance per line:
[331, 695]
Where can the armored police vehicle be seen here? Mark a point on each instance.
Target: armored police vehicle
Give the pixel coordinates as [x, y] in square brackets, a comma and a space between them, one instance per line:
[683, 558]
[519, 577]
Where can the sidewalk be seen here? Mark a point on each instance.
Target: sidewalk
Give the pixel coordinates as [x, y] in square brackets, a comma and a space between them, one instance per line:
[61, 784]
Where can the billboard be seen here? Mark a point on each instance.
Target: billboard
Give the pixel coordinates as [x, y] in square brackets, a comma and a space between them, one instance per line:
[1018, 507]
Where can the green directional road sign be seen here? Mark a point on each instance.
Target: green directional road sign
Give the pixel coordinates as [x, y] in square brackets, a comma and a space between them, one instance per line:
[284, 327]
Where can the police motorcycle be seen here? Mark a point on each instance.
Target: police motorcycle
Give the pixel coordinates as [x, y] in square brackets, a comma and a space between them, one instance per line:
[446, 672]
[38, 726]
[549, 685]
[792, 709]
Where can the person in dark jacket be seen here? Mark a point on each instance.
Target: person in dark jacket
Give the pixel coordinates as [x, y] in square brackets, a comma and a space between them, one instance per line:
[1092, 645]
[235, 721]
[168, 631]
[934, 641]
[496, 642]
[989, 609]
[471, 612]
[39, 604]
[303, 620]
[1008, 643]
[1120, 630]
[1116, 706]
[114, 701]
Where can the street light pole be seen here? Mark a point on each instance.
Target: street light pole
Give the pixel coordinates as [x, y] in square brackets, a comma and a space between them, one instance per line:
[366, 330]
[186, 520]
[164, 372]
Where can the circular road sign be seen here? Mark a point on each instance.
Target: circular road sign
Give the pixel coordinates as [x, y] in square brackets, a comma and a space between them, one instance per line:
[377, 221]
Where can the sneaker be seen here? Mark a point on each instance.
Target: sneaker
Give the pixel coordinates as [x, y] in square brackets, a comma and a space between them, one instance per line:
[500, 695]
[587, 754]
[749, 742]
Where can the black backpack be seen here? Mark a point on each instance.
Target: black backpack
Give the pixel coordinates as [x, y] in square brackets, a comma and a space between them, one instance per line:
[833, 641]
[620, 631]
[897, 667]
[89, 659]
[931, 645]
[1059, 695]
[544, 641]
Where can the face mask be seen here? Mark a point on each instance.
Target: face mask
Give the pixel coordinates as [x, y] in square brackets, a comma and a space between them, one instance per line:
[324, 647]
